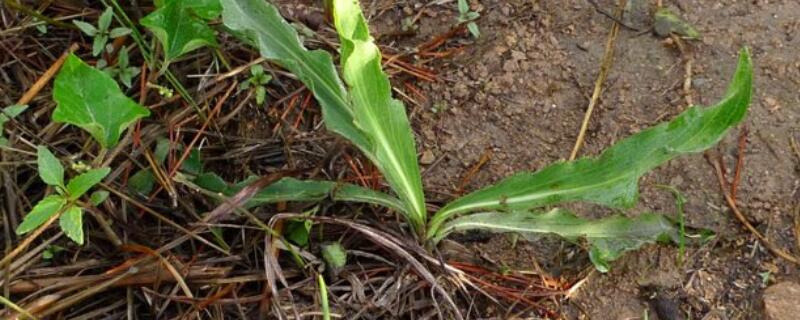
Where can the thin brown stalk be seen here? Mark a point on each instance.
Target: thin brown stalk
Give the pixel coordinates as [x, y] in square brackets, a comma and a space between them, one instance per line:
[605, 66]
[739, 216]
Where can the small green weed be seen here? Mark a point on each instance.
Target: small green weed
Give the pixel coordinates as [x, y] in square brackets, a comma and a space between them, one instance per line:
[66, 202]
[467, 16]
[257, 81]
[101, 33]
[121, 70]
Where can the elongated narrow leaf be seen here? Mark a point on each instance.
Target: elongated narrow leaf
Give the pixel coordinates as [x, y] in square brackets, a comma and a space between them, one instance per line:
[612, 178]
[368, 116]
[92, 100]
[291, 189]
[609, 237]
[85, 181]
[381, 117]
[42, 211]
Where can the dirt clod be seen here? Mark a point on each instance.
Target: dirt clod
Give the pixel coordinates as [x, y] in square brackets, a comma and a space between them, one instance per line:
[781, 301]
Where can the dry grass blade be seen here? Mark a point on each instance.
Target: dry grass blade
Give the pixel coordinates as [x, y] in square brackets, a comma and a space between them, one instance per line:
[390, 243]
[605, 66]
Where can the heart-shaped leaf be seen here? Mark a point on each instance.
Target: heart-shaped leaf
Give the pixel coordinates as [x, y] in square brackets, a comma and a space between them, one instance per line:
[180, 26]
[92, 100]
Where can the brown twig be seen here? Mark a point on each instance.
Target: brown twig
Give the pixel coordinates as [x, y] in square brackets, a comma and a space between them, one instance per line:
[485, 157]
[739, 216]
[45, 78]
[605, 66]
[739, 161]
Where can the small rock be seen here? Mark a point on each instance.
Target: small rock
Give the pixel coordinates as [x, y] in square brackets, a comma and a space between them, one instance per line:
[427, 157]
[781, 301]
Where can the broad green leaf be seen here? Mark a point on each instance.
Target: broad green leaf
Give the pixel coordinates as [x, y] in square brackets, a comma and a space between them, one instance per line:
[382, 118]
[42, 211]
[6, 115]
[92, 100]
[85, 181]
[611, 179]
[50, 169]
[608, 237]
[71, 223]
[368, 117]
[179, 26]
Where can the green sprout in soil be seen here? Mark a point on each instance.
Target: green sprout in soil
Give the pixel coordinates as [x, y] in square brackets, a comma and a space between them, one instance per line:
[359, 106]
[257, 81]
[101, 33]
[466, 15]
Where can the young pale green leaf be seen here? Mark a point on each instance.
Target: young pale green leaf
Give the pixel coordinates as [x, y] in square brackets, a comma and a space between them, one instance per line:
[85, 181]
[104, 22]
[368, 117]
[42, 211]
[98, 44]
[179, 26]
[609, 237]
[612, 178]
[382, 118]
[92, 100]
[88, 29]
[50, 169]
[118, 32]
[71, 223]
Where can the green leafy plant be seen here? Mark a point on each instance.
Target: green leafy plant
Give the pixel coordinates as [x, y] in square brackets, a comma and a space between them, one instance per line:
[361, 109]
[258, 81]
[121, 70]
[181, 25]
[468, 17]
[101, 33]
[92, 100]
[66, 202]
[6, 114]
